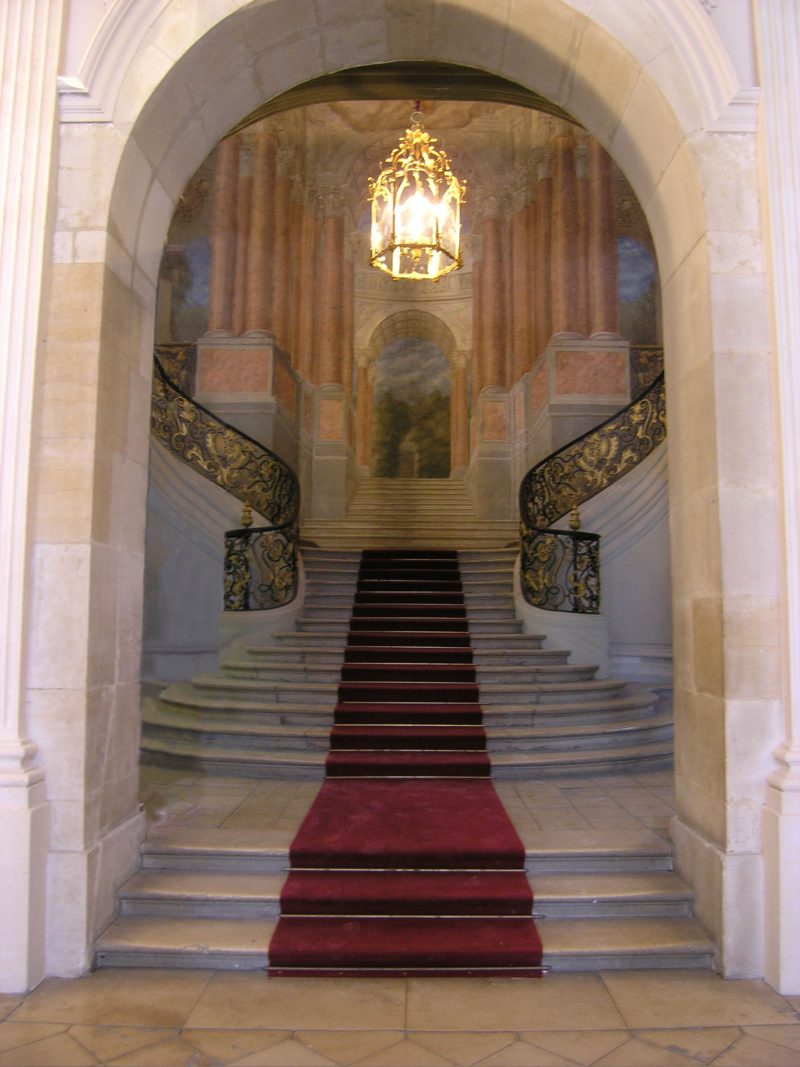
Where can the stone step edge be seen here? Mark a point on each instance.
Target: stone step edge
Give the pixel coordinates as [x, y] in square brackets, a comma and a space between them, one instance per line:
[197, 942]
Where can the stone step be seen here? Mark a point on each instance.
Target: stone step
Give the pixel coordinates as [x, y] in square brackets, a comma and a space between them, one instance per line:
[331, 670]
[327, 651]
[244, 761]
[242, 944]
[203, 894]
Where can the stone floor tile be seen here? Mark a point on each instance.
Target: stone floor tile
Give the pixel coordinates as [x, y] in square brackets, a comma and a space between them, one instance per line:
[510, 1004]
[703, 1045]
[13, 1035]
[225, 1046]
[59, 1051]
[464, 1048]
[171, 1053]
[107, 1042]
[405, 1053]
[637, 1053]
[781, 1035]
[523, 1054]
[288, 1053]
[250, 1000]
[9, 1002]
[119, 997]
[654, 1000]
[584, 1048]
[348, 1047]
[750, 1051]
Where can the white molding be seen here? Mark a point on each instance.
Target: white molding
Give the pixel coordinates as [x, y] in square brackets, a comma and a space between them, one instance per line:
[90, 93]
[726, 105]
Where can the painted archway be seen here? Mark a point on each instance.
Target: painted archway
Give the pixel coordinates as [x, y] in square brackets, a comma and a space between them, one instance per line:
[177, 84]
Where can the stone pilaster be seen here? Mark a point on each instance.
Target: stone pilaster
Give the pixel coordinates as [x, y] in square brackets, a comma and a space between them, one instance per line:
[778, 34]
[30, 36]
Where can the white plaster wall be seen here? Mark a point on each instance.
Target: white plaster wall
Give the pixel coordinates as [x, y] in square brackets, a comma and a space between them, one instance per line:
[651, 80]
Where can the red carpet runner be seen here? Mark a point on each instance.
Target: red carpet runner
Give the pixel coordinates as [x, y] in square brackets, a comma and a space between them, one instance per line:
[407, 863]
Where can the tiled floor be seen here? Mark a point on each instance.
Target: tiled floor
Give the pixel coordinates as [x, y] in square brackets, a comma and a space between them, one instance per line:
[207, 1019]
[613, 802]
[201, 1018]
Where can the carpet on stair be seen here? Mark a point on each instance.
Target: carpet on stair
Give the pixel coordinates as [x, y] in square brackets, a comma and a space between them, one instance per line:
[407, 862]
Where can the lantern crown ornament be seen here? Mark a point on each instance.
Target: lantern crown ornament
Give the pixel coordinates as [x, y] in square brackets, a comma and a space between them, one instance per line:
[416, 209]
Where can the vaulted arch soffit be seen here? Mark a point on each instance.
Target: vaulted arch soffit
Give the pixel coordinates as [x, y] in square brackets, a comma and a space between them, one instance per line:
[411, 323]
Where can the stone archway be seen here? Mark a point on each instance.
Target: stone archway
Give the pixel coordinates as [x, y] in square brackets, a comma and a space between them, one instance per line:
[185, 81]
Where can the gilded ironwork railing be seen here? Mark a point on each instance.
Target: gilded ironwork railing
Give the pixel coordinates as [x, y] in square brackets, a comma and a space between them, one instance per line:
[567, 478]
[260, 567]
[560, 569]
[260, 563]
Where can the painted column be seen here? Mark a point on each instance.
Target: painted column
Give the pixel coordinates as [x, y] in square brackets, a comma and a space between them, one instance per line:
[778, 37]
[243, 213]
[520, 295]
[259, 292]
[223, 237]
[305, 304]
[580, 311]
[477, 328]
[541, 244]
[347, 326]
[530, 293]
[331, 306]
[601, 243]
[30, 38]
[459, 412]
[296, 301]
[281, 269]
[493, 304]
[564, 241]
[363, 410]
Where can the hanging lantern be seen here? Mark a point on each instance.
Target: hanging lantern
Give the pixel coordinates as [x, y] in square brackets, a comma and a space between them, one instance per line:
[416, 210]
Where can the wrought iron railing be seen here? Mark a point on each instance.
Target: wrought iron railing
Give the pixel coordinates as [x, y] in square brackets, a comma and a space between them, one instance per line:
[568, 560]
[560, 569]
[260, 562]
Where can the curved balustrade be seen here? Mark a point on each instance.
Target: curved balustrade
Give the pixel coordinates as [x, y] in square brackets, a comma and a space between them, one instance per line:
[559, 571]
[261, 562]
[260, 567]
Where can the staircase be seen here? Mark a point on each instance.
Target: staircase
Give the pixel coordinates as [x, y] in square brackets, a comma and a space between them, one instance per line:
[269, 713]
[210, 898]
[412, 513]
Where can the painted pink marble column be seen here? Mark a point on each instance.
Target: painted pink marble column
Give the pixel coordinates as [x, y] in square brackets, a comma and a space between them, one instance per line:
[530, 269]
[363, 410]
[348, 311]
[477, 328]
[305, 301]
[601, 250]
[493, 333]
[459, 412]
[580, 314]
[331, 306]
[296, 299]
[259, 249]
[564, 242]
[520, 303]
[281, 270]
[223, 236]
[541, 274]
[243, 213]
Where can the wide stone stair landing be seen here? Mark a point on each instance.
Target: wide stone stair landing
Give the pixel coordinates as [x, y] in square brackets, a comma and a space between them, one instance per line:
[412, 513]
